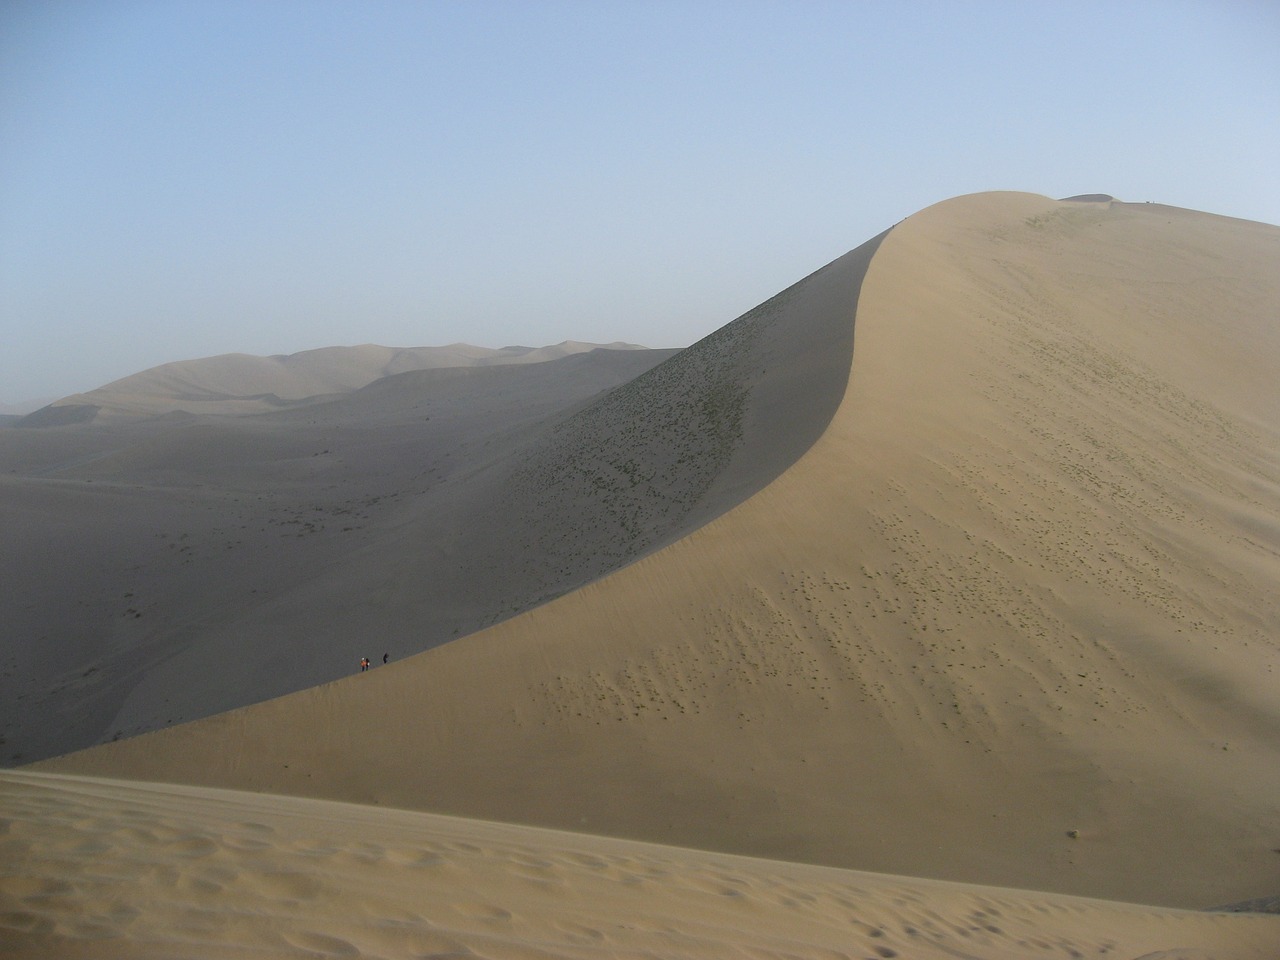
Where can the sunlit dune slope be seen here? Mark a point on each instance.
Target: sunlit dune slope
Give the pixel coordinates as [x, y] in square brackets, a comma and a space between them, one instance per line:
[1011, 618]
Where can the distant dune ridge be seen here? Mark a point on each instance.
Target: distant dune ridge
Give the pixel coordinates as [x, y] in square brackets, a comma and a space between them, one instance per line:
[237, 383]
[958, 559]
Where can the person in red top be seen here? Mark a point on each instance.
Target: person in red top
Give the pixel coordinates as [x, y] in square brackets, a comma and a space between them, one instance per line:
[364, 664]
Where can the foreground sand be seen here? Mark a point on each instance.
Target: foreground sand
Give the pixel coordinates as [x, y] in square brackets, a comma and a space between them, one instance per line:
[107, 868]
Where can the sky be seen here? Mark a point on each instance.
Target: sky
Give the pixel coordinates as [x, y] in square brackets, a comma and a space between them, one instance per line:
[187, 179]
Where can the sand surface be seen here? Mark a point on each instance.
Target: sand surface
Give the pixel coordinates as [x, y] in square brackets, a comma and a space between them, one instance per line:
[107, 868]
[958, 559]
[164, 569]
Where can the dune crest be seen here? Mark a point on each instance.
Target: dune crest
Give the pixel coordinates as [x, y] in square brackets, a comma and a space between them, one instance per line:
[1009, 619]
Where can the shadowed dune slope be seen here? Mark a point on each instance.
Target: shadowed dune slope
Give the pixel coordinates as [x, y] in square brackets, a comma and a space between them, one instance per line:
[145, 559]
[1011, 619]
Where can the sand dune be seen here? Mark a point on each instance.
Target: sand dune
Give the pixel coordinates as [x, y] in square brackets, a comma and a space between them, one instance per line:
[237, 383]
[105, 868]
[980, 588]
[1009, 619]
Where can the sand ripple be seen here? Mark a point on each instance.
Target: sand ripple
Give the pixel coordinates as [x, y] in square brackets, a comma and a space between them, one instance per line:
[99, 868]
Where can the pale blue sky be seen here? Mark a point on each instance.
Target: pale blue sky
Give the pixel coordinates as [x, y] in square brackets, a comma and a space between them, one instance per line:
[185, 179]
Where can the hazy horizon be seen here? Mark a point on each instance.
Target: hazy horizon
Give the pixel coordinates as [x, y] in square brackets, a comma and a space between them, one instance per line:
[185, 180]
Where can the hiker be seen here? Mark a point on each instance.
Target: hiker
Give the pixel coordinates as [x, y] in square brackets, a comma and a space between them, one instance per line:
[385, 656]
[364, 664]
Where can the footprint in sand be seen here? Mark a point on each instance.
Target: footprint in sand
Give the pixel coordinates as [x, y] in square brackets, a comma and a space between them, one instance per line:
[361, 853]
[321, 944]
[433, 945]
[139, 816]
[487, 912]
[123, 914]
[24, 921]
[92, 930]
[28, 888]
[414, 858]
[587, 860]
[135, 835]
[92, 825]
[720, 884]
[91, 847]
[530, 860]
[461, 846]
[193, 848]
[536, 870]
[312, 848]
[578, 934]
[288, 886]
[199, 885]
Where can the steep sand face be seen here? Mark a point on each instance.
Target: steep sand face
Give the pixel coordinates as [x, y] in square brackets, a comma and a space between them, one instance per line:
[1011, 619]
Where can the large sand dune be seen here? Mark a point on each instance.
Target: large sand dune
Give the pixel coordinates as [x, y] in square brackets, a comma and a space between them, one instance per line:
[999, 605]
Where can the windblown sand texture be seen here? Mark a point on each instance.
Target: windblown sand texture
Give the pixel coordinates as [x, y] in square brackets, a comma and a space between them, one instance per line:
[987, 595]
[109, 869]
